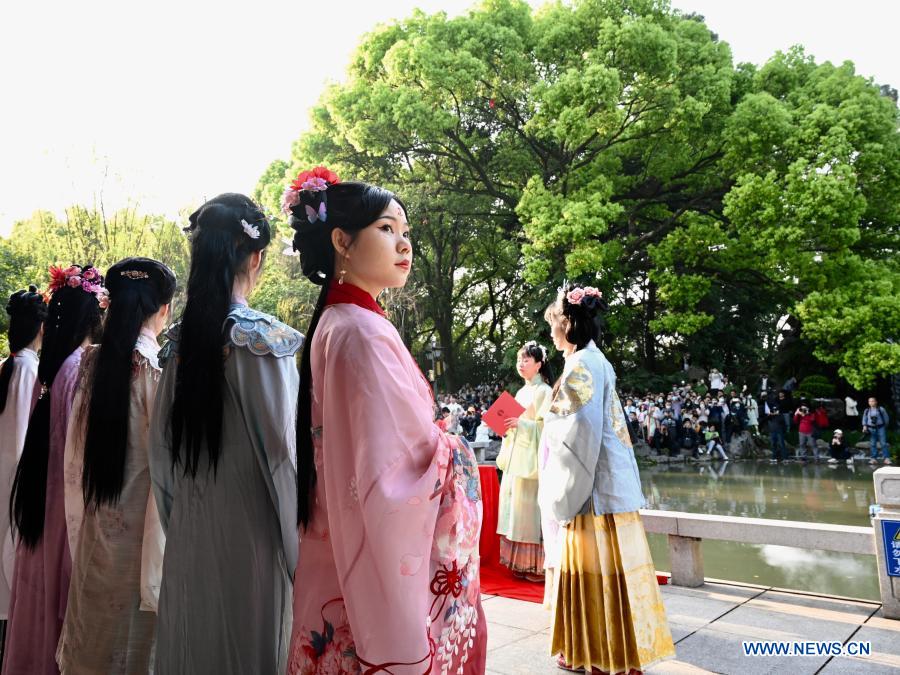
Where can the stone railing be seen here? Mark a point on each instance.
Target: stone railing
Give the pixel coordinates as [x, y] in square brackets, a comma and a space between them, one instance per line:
[685, 531]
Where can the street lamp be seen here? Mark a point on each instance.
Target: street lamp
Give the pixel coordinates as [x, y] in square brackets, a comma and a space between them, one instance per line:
[433, 352]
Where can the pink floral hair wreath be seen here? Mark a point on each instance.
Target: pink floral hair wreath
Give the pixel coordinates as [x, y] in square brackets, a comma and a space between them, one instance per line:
[87, 279]
[587, 296]
[305, 198]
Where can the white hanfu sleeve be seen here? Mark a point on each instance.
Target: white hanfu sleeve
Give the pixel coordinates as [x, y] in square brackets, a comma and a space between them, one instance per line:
[573, 432]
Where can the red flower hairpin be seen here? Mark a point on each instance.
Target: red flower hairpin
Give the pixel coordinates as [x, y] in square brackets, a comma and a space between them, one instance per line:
[316, 180]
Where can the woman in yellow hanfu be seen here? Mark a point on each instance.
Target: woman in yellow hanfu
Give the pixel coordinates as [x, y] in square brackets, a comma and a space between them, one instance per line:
[519, 518]
[608, 614]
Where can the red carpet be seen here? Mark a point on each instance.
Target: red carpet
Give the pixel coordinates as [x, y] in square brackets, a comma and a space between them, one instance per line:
[498, 580]
[495, 578]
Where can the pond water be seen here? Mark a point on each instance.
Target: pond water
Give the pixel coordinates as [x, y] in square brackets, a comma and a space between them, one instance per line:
[816, 493]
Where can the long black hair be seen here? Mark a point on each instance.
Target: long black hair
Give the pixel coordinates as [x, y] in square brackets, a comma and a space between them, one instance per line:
[352, 206]
[73, 316]
[137, 287]
[27, 312]
[224, 232]
[539, 354]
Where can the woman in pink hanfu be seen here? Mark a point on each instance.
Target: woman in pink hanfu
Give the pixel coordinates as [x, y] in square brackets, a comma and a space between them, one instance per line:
[390, 506]
[40, 585]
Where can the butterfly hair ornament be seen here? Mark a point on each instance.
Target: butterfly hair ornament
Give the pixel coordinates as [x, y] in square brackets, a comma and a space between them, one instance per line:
[309, 191]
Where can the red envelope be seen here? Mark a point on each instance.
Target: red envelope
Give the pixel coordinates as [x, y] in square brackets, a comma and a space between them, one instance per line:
[504, 408]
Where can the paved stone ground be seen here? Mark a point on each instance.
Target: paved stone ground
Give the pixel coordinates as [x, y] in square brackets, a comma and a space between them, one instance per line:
[708, 625]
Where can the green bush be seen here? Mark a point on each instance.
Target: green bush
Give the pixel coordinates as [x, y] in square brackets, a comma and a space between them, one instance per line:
[816, 386]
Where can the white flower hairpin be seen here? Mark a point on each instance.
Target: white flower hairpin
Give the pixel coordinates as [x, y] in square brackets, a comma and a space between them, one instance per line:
[251, 231]
[534, 343]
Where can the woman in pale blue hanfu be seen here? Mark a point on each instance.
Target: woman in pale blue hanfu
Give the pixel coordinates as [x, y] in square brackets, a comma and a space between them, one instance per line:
[608, 614]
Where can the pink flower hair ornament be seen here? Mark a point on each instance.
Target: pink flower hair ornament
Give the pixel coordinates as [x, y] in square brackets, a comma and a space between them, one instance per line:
[577, 295]
[87, 279]
[314, 183]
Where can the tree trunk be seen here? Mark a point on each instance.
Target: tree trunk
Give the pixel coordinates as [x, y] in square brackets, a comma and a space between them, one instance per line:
[443, 323]
[649, 337]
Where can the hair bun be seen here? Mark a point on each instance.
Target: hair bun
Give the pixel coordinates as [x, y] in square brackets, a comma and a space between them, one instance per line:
[313, 242]
[593, 305]
[143, 274]
[228, 212]
[27, 303]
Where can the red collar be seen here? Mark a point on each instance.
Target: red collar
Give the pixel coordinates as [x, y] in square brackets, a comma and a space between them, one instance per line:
[353, 295]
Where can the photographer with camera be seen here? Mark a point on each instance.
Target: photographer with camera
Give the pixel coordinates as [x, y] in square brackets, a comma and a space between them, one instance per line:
[806, 425]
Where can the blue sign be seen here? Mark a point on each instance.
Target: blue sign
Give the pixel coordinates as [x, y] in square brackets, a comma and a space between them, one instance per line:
[891, 531]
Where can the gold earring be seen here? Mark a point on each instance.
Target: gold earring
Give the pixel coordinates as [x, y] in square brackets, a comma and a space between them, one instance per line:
[341, 280]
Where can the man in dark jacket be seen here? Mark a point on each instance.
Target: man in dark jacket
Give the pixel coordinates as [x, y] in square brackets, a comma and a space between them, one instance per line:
[669, 428]
[775, 420]
[689, 439]
[469, 423]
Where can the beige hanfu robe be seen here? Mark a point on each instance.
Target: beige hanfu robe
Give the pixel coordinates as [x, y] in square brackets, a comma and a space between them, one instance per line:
[105, 629]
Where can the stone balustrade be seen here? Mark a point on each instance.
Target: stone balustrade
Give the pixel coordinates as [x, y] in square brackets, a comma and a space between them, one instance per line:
[685, 531]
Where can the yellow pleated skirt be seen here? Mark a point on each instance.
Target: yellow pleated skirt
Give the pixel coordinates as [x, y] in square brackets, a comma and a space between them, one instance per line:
[608, 613]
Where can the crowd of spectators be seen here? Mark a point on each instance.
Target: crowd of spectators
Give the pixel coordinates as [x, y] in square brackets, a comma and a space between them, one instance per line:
[460, 413]
[700, 418]
[693, 418]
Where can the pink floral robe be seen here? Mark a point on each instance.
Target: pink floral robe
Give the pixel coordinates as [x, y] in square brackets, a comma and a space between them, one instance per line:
[388, 574]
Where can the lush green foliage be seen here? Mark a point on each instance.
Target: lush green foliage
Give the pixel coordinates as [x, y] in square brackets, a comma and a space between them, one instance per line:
[87, 235]
[614, 141]
[746, 215]
[815, 386]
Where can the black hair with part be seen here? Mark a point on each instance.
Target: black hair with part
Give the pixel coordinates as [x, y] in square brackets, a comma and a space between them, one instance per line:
[27, 312]
[352, 207]
[224, 233]
[535, 351]
[73, 317]
[138, 288]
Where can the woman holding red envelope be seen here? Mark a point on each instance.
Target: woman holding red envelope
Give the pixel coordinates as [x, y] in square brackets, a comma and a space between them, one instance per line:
[519, 517]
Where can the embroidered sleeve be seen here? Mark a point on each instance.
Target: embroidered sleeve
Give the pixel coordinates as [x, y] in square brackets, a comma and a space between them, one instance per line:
[573, 431]
[574, 392]
[619, 423]
[262, 334]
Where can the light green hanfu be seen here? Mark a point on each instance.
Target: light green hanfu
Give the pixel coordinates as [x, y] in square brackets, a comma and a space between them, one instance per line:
[519, 517]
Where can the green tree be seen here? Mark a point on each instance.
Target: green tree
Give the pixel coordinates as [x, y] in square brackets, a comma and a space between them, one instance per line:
[816, 204]
[614, 141]
[87, 235]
